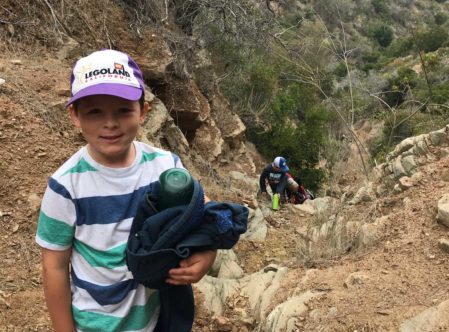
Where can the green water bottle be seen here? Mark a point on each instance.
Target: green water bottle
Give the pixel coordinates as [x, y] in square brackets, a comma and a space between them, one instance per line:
[176, 188]
[275, 202]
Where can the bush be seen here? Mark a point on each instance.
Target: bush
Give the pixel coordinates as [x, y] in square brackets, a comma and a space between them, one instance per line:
[403, 124]
[254, 84]
[378, 149]
[399, 85]
[293, 101]
[397, 128]
[400, 47]
[381, 7]
[300, 143]
[440, 18]
[370, 61]
[340, 70]
[383, 34]
[261, 83]
[431, 40]
[440, 93]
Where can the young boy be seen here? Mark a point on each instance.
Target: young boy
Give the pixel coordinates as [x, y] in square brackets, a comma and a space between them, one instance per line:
[91, 200]
[276, 175]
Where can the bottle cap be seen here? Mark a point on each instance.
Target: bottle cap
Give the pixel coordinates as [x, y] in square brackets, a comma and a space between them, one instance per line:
[176, 188]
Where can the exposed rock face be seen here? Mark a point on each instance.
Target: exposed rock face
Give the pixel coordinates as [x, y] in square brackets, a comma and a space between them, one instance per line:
[159, 130]
[203, 137]
[286, 315]
[185, 103]
[231, 127]
[443, 210]
[335, 230]
[154, 62]
[208, 140]
[412, 152]
[185, 121]
[257, 227]
[254, 292]
[432, 319]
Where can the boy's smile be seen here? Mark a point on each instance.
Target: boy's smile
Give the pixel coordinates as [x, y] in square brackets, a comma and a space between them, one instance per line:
[109, 124]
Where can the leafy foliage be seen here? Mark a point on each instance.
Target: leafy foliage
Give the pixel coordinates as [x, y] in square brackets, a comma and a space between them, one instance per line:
[399, 85]
[296, 72]
[401, 47]
[431, 40]
[301, 145]
[441, 18]
[383, 34]
[381, 7]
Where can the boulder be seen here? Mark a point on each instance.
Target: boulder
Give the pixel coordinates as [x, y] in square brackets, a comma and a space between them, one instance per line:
[443, 210]
[432, 319]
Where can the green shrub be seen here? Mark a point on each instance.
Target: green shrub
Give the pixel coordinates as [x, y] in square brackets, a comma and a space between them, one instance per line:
[371, 57]
[292, 101]
[379, 149]
[402, 124]
[381, 7]
[300, 143]
[440, 18]
[253, 83]
[431, 40]
[399, 85]
[261, 83]
[440, 93]
[369, 61]
[382, 33]
[340, 70]
[401, 47]
[425, 122]
[397, 127]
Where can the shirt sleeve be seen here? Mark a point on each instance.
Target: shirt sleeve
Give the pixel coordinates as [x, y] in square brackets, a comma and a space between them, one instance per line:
[56, 223]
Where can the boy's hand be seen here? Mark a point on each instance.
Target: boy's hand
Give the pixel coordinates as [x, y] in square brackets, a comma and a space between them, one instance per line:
[192, 269]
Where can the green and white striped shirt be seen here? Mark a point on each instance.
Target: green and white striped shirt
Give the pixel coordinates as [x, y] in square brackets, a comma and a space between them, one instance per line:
[90, 208]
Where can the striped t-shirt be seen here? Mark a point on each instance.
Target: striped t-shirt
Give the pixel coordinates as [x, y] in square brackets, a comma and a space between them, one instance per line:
[90, 208]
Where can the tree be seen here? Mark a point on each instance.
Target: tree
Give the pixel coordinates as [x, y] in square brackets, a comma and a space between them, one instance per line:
[383, 34]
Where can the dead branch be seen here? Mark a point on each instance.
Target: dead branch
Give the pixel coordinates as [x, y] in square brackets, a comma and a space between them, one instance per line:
[55, 17]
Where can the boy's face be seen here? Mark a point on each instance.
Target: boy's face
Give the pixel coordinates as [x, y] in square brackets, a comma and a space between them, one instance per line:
[109, 124]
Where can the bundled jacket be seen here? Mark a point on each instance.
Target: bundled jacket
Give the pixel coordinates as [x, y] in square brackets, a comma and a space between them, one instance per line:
[159, 240]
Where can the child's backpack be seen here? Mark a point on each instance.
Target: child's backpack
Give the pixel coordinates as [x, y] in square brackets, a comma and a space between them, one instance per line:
[310, 194]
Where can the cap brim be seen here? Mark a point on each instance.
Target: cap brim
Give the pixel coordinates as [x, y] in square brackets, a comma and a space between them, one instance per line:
[285, 169]
[118, 90]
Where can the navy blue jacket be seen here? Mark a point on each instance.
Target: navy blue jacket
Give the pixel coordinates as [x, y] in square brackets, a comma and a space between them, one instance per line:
[158, 241]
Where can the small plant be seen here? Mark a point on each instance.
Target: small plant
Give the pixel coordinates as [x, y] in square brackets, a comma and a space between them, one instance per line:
[440, 18]
[401, 47]
[383, 34]
[381, 7]
[431, 40]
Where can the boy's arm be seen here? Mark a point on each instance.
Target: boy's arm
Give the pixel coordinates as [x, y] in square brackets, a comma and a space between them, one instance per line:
[57, 289]
[192, 269]
[262, 178]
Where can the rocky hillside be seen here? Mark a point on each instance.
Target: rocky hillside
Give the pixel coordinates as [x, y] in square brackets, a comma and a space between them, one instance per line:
[373, 257]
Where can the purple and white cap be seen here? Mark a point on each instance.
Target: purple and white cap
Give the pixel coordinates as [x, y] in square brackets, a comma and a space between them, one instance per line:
[281, 163]
[106, 72]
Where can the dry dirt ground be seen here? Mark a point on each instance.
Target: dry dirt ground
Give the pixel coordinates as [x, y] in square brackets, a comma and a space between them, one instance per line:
[30, 151]
[405, 271]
